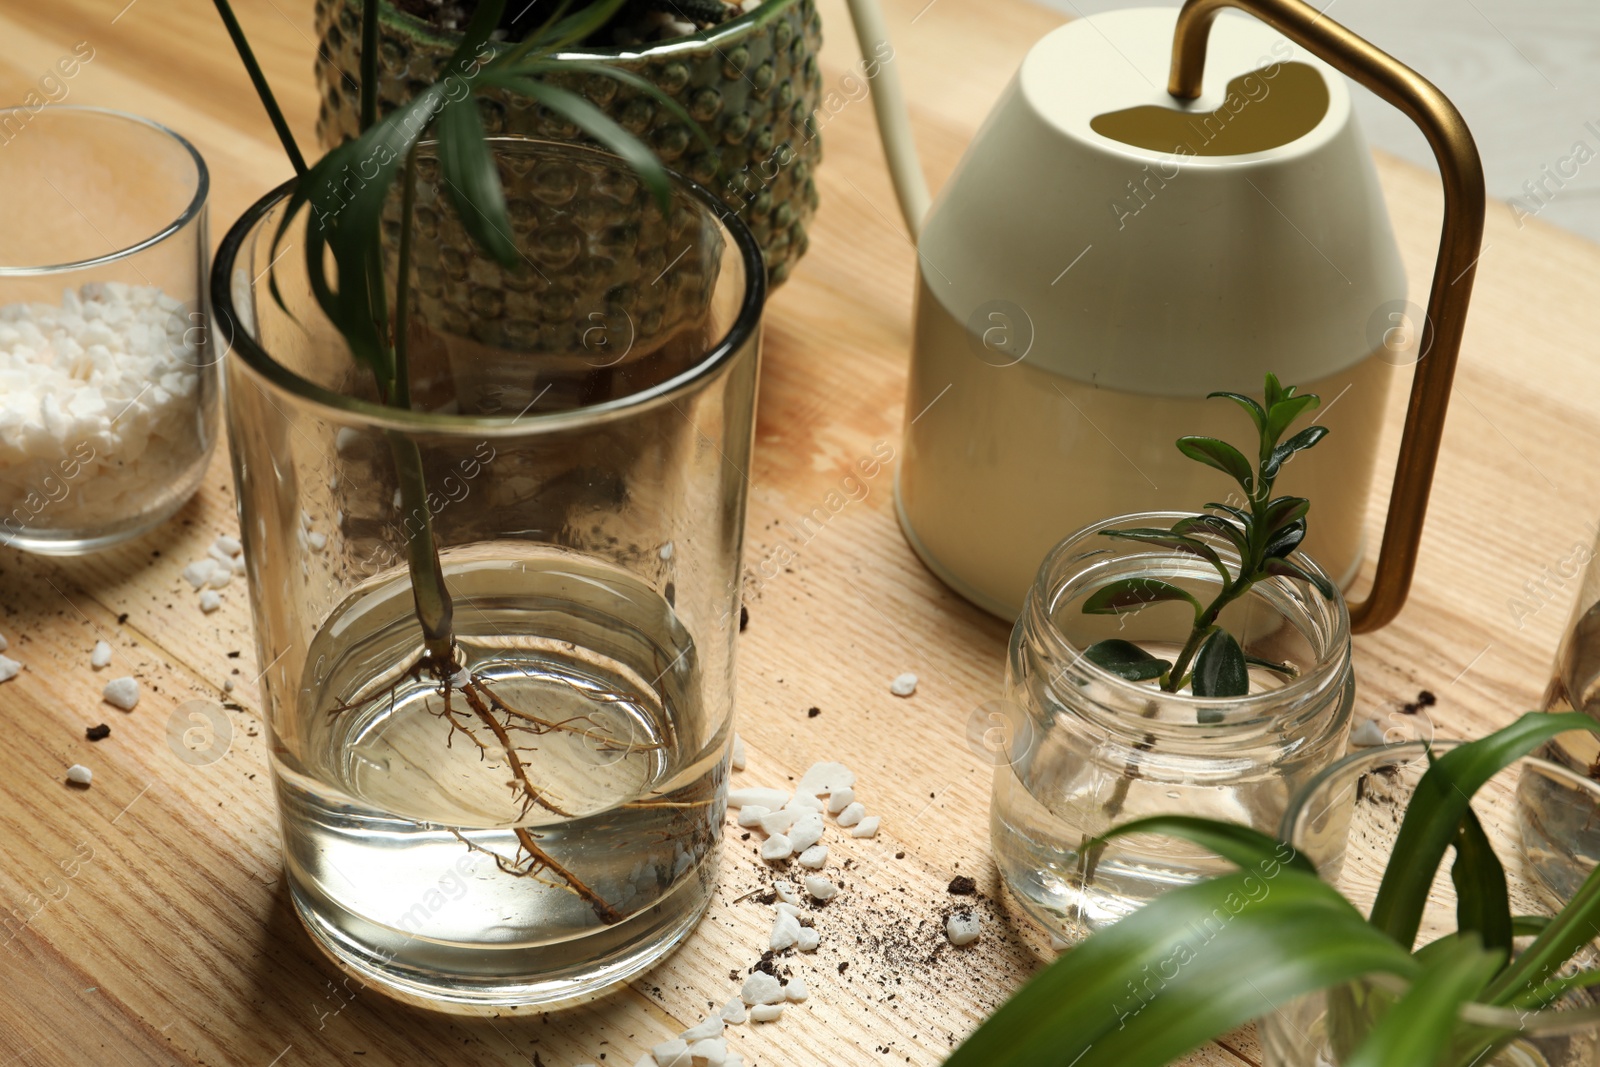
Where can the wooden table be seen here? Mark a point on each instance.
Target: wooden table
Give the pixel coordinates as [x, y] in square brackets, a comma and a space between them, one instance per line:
[174, 942]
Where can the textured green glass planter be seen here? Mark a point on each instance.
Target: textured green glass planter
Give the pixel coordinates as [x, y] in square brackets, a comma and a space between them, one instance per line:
[752, 83]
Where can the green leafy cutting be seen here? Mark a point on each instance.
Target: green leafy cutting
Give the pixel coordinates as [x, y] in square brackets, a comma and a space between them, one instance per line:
[1203, 959]
[1264, 535]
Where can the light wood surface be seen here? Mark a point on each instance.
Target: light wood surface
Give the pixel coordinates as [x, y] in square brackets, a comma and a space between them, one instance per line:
[149, 917]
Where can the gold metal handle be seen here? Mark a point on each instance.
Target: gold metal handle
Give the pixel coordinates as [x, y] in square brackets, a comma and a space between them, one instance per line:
[1453, 273]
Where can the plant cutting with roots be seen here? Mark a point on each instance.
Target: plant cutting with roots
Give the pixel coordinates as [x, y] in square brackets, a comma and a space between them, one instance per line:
[343, 250]
[1287, 934]
[1264, 534]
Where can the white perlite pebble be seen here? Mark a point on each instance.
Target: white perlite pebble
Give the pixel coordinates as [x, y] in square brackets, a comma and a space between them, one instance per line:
[778, 822]
[820, 888]
[221, 575]
[766, 1013]
[800, 803]
[101, 656]
[199, 572]
[807, 831]
[785, 932]
[750, 815]
[903, 685]
[9, 668]
[840, 799]
[788, 909]
[712, 1027]
[786, 892]
[121, 693]
[674, 1053]
[231, 545]
[1367, 735]
[815, 857]
[666, 552]
[737, 759]
[809, 939]
[227, 685]
[99, 392]
[961, 928]
[210, 601]
[867, 827]
[78, 774]
[776, 848]
[796, 989]
[852, 814]
[318, 542]
[771, 799]
[734, 1011]
[761, 988]
[825, 778]
[712, 1051]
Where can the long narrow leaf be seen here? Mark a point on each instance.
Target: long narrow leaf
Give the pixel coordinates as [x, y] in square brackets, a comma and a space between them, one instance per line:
[1576, 926]
[1416, 1031]
[644, 85]
[1131, 594]
[1291, 934]
[472, 180]
[1438, 805]
[1483, 904]
[1176, 541]
[1235, 842]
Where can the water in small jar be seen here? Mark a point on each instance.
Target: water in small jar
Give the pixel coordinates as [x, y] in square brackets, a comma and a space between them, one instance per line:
[526, 832]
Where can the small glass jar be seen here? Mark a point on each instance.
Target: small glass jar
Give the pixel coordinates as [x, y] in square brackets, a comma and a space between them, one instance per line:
[108, 382]
[1542, 819]
[1087, 750]
[541, 818]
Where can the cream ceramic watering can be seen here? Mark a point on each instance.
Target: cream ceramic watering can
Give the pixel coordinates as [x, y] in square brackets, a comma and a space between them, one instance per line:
[1158, 208]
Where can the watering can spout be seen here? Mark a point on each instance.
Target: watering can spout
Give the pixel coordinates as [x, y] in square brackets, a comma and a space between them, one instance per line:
[894, 122]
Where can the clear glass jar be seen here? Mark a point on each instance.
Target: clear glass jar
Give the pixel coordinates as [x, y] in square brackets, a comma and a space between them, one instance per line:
[1088, 750]
[108, 383]
[546, 821]
[1542, 819]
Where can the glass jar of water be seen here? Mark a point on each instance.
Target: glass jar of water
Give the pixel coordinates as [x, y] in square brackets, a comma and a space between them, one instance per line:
[1084, 750]
[539, 815]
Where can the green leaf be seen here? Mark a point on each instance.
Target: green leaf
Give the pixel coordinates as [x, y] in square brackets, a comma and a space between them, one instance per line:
[597, 124]
[1237, 843]
[1257, 414]
[1131, 594]
[1221, 455]
[626, 77]
[1284, 510]
[1437, 807]
[472, 180]
[1521, 926]
[1284, 541]
[1576, 926]
[1213, 524]
[1483, 904]
[1126, 660]
[1552, 991]
[1219, 669]
[1417, 1030]
[1282, 568]
[1298, 443]
[1246, 520]
[1175, 541]
[1273, 393]
[1281, 416]
[1292, 934]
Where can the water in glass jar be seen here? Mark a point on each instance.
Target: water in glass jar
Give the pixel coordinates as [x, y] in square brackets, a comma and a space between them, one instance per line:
[542, 823]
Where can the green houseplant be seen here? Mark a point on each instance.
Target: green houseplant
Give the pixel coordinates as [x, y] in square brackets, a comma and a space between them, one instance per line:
[504, 570]
[1208, 957]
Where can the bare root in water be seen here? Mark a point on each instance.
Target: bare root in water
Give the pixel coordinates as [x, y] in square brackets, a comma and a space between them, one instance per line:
[494, 726]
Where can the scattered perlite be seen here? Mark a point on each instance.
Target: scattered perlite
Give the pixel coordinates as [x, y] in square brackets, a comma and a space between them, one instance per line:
[809, 939]
[761, 988]
[903, 685]
[815, 857]
[786, 891]
[867, 827]
[788, 909]
[840, 799]
[750, 815]
[796, 989]
[961, 928]
[807, 831]
[319, 541]
[712, 1027]
[712, 1051]
[801, 803]
[734, 1011]
[121, 693]
[737, 759]
[230, 545]
[852, 814]
[210, 601]
[101, 656]
[674, 1053]
[820, 888]
[826, 778]
[776, 848]
[785, 932]
[9, 668]
[1367, 735]
[778, 822]
[771, 799]
[766, 1013]
[666, 551]
[99, 394]
[78, 774]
